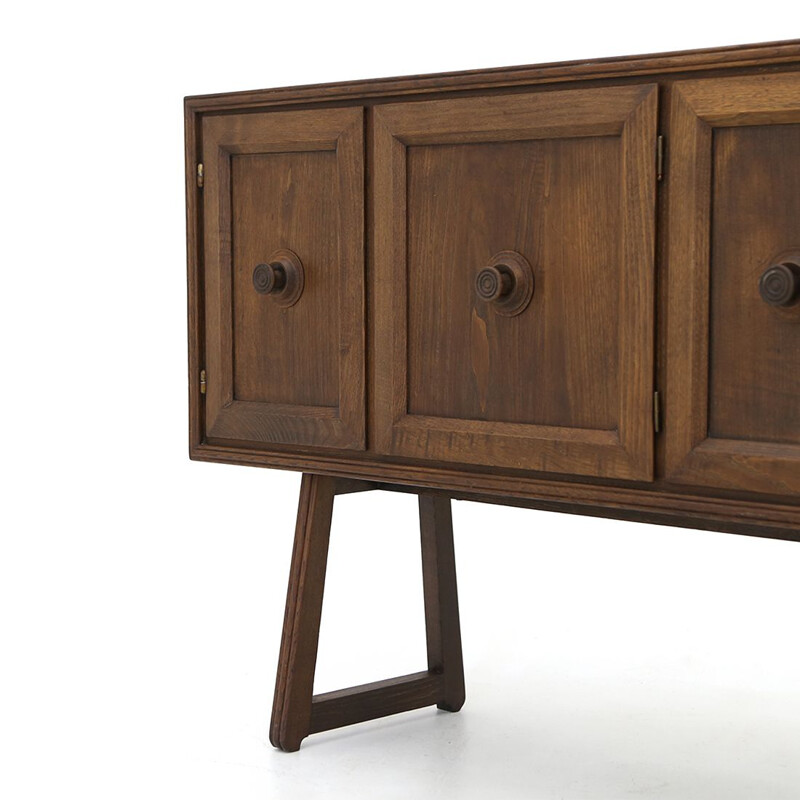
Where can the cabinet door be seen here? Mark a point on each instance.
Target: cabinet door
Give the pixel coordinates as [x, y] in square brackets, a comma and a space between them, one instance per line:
[733, 358]
[546, 362]
[285, 367]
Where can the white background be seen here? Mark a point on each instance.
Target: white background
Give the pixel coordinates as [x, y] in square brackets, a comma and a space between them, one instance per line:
[141, 595]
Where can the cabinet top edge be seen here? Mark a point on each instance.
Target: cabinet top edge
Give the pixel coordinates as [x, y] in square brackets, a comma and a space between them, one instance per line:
[728, 57]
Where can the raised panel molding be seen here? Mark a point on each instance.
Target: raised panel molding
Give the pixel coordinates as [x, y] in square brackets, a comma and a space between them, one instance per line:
[340, 133]
[692, 455]
[630, 115]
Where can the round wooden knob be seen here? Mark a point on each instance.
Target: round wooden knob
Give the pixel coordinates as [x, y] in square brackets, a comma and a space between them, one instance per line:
[492, 283]
[780, 284]
[281, 277]
[506, 282]
[269, 278]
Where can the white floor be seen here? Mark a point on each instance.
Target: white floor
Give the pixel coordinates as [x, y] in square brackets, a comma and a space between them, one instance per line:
[603, 660]
[544, 737]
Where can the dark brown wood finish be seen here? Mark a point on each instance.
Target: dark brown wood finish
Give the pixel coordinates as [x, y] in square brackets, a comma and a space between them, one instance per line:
[567, 180]
[285, 189]
[536, 268]
[283, 278]
[296, 713]
[442, 624]
[294, 685]
[373, 700]
[733, 361]
[740, 492]
[779, 284]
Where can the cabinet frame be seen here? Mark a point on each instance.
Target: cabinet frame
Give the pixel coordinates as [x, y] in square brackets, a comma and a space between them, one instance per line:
[342, 132]
[750, 511]
[628, 112]
[691, 457]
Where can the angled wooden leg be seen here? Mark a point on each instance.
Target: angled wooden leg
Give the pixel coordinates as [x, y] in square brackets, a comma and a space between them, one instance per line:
[295, 713]
[291, 710]
[442, 623]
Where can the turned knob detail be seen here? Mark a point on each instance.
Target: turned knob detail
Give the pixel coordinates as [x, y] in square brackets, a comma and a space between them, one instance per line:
[506, 282]
[281, 277]
[492, 283]
[269, 278]
[779, 285]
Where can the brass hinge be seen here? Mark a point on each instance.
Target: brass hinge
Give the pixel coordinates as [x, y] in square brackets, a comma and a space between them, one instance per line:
[657, 412]
[659, 158]
[200, 176]
[202, 381]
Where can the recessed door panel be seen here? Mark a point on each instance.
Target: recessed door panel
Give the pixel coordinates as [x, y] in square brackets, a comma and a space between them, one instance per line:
[285, 355]
[549, 200]
[733, 393]
[514, 270]
[754, 374]
[284, 277]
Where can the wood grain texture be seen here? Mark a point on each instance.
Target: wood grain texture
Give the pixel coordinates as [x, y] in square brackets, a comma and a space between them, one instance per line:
[729, 484]
[292, 181]
[744, 100]
[194, 278]
[296, 713]
[291, 711]
[246, 420]
[664, 503]
[754, 371]
[479, 358]
[555, 201]
[499, 118]
[287, 356]
[442, 624]
[732, 413]
[687, 289]
[373, 700]
[559, 396]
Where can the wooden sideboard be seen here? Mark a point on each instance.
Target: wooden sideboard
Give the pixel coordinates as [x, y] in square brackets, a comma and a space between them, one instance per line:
[571, 286]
